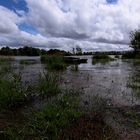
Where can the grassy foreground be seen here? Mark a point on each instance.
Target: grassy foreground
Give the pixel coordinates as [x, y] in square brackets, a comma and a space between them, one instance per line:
[61, 117]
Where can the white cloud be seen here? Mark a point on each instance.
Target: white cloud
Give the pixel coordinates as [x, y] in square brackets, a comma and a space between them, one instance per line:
[94, 20]
[92, 24]
[10, 34]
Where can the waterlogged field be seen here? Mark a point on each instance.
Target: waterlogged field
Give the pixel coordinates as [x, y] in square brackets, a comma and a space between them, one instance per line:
[97, 100]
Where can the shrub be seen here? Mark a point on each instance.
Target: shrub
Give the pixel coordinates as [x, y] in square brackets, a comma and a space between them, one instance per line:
[131, 55]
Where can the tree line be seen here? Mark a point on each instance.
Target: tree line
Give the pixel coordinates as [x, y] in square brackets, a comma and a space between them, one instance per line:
[30, 51]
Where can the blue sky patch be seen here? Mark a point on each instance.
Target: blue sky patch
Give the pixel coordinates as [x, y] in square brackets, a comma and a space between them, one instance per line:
[14, 4]
[28, 28]
[112, 1]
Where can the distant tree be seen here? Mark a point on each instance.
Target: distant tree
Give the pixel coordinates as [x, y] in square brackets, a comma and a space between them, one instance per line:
[135, 40]
[6, 51]
[73, 50]
[30, 51]
[57, 52]
[78, 50]
[43, 52]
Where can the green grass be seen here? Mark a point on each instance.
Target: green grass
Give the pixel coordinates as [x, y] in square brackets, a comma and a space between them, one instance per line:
[52, 119]
[49, 122]
[49, 84]
[27, 62]
[5, 60]
[11, 91]
[64, 113]
[54, 62]
[101, 58]
[5, 69]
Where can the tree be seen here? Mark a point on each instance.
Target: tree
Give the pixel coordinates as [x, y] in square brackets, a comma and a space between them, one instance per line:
[78, 50]
[135, 40]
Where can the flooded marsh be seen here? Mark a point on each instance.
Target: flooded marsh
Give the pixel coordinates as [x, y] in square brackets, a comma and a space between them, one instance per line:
[101, 91]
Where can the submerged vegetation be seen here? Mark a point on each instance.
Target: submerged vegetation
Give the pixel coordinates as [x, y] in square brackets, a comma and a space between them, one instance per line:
[27, 62]
[54, 62]
[5, 60]
[101, 58]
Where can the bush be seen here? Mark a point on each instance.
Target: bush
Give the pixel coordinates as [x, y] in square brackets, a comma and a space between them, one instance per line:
[135, 40]
[131, 55]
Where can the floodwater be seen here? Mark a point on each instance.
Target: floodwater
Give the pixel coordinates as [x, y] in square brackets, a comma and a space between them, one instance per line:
[108, 80]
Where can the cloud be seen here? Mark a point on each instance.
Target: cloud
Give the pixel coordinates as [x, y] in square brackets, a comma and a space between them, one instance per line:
[10, 34]
[91, 24]
[8, 21]
[91, 18]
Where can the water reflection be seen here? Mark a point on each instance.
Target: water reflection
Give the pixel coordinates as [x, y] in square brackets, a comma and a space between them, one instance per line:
[74, 67]
[134, 79]
[109, 80]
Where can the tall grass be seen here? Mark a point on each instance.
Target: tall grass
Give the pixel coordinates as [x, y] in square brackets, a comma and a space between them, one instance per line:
[4, 59]
[101, 58]
[54, 62]
[11, 91]
[49, 84]
[49, 122]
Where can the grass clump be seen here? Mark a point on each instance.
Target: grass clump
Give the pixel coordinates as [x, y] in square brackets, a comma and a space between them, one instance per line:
[27, 62]
[54, 62]
[49, 84]
[11, 91]
[5, 60]
[101, 58]
[52, 119]
[117, 56]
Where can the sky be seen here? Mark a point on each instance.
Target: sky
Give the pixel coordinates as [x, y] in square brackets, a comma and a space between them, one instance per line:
[93, 25]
